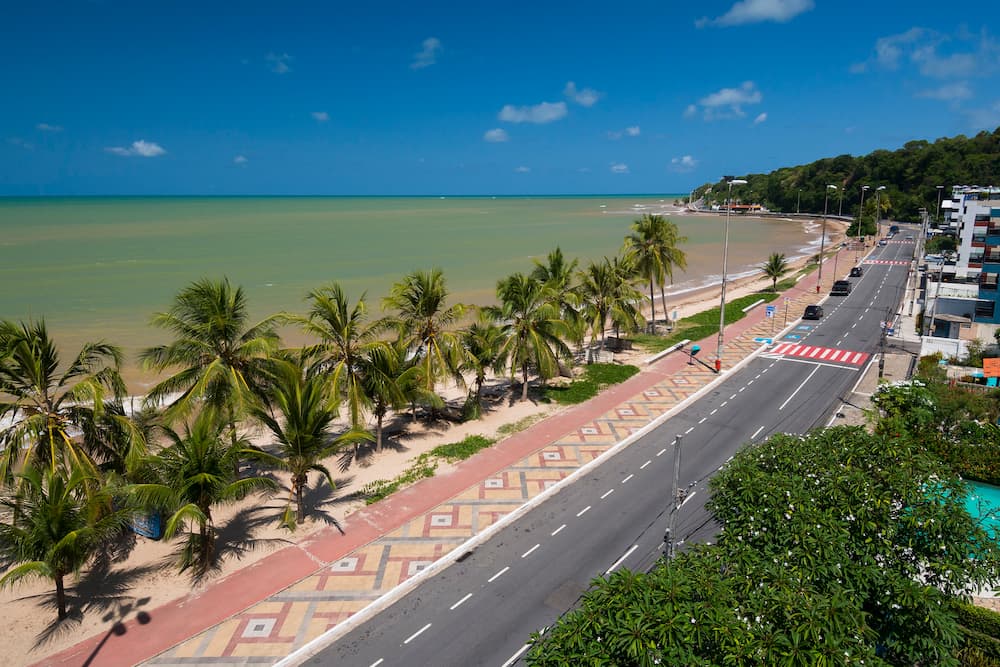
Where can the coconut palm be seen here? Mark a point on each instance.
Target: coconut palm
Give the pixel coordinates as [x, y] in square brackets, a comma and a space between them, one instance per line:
[390, 379]
[672, 256]
[774, 268]
[558, 275]
[644, 248]
[426, 325]
[57, 523]
[222, 358]
[483, 343]
[606, 290]
[46, 410]
[625, 312]
[195, 473]
[531, 328]
[302, 429]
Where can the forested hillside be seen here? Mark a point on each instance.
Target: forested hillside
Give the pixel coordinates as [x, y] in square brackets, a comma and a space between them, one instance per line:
[909, 174]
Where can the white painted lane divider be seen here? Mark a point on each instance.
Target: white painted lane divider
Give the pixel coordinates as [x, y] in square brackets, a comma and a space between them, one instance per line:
[622, 559]
[514, 658]
[457, 604]
[497, 575]
[558, 530]
[645, 464]
[377, 662]
[416, 634]
[607, 493]
[756, 433]
[660, 453]
[628, 478]
[583, 511]
[529, 551]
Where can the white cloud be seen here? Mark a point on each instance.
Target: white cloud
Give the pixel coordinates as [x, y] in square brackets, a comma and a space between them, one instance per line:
[758, 11]
[761, 117]
[690, 111]
[685, 163]
[727, 102]
[45, 127]
[138, 148]
[888, 50]
[18, 141]
[949, 92]
[428, 55]
[587, 97]
[522, 169]
[619, 168]
[632, 131]
[937, 55]
[614, 135]
[986, 118]
[320, 116]
[496, 136]
[546, 112]
[240, 160]
[278, 62]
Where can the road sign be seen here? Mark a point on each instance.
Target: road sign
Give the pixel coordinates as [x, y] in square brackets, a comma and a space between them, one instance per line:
[763, 340]
[792, 337]
[769, 311]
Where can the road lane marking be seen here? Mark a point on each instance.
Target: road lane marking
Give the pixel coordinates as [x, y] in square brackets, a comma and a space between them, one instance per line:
[529, 551]
[702, 420]
[686, 432]
[628, 478]
[622, 559]
[456, 605]
[756, 433]
[583, 511]
[714, 411]
[751, 382]
[799, 388]
[416, 634]
[742, 389]
[497, 575]
[607, 493]
[645, 464]
[723, 404]
[514, 658]
[558, 530]
[690, 496]
[377, 662]
[660, 453]
[732, 397]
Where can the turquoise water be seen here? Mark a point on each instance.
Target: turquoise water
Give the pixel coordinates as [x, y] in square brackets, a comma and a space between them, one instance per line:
[983, 502]
[100, 267]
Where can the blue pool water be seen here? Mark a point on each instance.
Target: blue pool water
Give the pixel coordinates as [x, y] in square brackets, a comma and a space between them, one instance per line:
[983, 502]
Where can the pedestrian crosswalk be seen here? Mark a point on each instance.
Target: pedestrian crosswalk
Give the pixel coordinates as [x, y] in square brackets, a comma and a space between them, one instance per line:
[894, 262]
[816, 353]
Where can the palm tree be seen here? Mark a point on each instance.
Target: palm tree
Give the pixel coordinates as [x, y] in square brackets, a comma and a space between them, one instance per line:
[483, 343]
[344, 338]
[305, 409]
[558, 275]
[195, 473]
[222, 359]
[57, 524]
[531, 328]
[389, 380]
[673, 257]
[45, 410]
[643, 247]
[596, 290]
[625, 312]
[774, 268]
[426, 325]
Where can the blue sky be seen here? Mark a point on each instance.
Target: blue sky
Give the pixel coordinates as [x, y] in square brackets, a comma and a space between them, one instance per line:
[428, 98]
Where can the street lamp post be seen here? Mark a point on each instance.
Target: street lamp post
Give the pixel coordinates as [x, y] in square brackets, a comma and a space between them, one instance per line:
[937, 216]
[878, 209]
[822, 241]
[725, 261]
[861, 211]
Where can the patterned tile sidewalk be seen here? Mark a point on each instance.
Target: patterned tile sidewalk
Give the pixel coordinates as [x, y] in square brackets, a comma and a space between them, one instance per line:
[261, 614]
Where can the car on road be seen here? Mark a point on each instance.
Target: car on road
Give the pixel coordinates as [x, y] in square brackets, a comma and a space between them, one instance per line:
[813, 312]
[908, 237]
[856, 272]
[841, 288]
[882, 243]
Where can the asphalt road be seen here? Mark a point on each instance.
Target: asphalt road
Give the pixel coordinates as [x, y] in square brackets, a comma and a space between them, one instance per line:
[481, 610]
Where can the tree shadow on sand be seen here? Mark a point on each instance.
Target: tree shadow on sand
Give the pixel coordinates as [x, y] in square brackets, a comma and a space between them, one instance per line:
[320, 499]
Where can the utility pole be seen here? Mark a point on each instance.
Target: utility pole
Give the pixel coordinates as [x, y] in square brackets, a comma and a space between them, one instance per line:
[881, 357]
[675, 499]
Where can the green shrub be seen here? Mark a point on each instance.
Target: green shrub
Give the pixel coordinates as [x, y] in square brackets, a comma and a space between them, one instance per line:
[380, 488]
[505, 430]
[458, 451]
[701, 325]
[595, 378]
[979, 619]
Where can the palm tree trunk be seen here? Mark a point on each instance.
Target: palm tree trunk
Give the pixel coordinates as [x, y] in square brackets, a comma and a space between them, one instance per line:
[652, 307]
[524, 382]
[298, 484]
[378, 430]
[60, 596]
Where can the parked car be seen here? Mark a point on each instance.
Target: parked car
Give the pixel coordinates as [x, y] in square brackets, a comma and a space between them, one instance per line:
[856, 272]
[841, 288]
[813, 313]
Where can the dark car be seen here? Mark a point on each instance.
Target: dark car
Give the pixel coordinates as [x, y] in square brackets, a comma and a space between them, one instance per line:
[813, 313]
[856, 272]
[841, 288]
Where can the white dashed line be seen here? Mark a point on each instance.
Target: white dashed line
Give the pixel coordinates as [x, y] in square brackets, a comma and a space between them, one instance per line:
[499, 574]
[620, 560]
[529, 551]
[689, 497]
[644, 465]
[749, 383]
[732, 397]
[703, 420]
[416, 634]
[457, 604]
[742, 389]
[724, 404]
[660, 453]
[583, 511]
[765, 370]
[377, 662]
[688, 431]
[514, 658]
[714, 411]
[628, 478]
[607, 493]
[558, 530]
[756, 433]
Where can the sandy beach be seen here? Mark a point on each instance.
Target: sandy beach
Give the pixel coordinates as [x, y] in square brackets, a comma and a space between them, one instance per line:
[146, 579]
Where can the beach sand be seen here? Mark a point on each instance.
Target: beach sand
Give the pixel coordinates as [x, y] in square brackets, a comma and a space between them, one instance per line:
[146, 579]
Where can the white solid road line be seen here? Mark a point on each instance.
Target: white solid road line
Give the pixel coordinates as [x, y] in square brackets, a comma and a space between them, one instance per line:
[456, 605]
[528, 552]
[809, 377]
[517, 655]
[756, 433]
[628, 478]
[497, 575]
[558, 530]
[416, 634]
[622, 559]
[607, 493]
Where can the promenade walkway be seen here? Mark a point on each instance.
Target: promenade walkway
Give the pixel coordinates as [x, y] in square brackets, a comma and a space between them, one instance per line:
[275, 606]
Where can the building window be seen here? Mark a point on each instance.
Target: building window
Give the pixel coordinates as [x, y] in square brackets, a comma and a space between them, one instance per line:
[988, 281]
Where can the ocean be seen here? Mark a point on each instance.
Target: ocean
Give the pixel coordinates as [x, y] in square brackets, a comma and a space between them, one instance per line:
[99, 268]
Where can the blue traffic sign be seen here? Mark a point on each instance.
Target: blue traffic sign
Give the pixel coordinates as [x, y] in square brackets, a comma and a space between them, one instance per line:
[763, 340]
[792, 337]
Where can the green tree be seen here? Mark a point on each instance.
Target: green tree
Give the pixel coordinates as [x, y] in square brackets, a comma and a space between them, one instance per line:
[483, 342]
[606, 291]
[344, 336]
[55, 524]
[531, 328]
[644, 248]
[390, 378]
[427, 325]
[558, 276]
[299, 413]
[46, 408]
[223, 360]
[672, 256]
[195, 473]
[774, 268]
